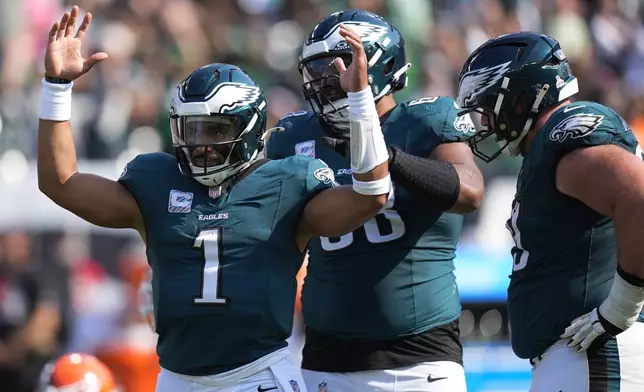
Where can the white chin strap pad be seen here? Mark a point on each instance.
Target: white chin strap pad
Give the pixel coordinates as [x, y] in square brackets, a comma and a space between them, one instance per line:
[368, 149]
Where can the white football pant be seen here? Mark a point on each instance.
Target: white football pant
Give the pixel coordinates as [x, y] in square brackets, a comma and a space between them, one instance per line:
[281, 376]
[617, 366]
[440, 376]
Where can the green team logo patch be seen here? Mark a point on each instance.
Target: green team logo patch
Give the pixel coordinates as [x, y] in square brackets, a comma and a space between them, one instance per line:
[576, 127]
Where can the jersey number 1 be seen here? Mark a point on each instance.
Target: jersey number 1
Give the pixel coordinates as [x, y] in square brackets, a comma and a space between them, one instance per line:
[209, 242]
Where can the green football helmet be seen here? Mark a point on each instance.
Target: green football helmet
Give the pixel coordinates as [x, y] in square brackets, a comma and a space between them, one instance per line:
[384, 47]
[509, 80]
[218, 120]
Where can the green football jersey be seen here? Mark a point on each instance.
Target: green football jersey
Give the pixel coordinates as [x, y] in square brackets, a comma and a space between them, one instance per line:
[223, 267]
[565, 253]
[393, 277]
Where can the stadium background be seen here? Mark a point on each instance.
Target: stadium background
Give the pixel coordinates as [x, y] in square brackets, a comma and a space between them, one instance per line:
[91, 274]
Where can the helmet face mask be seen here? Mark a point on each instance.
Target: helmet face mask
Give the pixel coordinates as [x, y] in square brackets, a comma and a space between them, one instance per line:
[321, 86]
[208, 141]
[510, 80]
[506, 123]
[218, 119]
[486, 135]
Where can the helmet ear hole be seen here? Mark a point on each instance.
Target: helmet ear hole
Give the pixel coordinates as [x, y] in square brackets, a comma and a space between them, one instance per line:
[521, 104]
[520, 51]
[552, 62]
[389, 66]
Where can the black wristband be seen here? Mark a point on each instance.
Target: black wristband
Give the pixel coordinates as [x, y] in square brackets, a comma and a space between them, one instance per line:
[610, 329]
[434, 181]
[632, 279]
[53, 80]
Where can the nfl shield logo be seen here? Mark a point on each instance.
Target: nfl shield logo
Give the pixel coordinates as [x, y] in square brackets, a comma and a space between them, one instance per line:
[214, 192]
[322, 386]
[296, 388]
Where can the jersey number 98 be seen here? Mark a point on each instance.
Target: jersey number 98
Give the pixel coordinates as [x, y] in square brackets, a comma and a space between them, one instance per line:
[372, 232]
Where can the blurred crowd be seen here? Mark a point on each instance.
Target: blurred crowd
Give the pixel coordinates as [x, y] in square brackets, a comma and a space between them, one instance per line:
[120, 110]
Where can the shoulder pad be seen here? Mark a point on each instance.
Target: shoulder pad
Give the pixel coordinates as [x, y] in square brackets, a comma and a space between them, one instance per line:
[585, 124]
[141, 175]
[296, 164]
[287, 131]
[153, 162]
[318, 175]
[440, 116]
[426, 106]
[289, 120]
[314, 173]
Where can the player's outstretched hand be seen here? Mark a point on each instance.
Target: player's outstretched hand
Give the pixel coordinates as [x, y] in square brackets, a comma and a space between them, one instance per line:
[63, 59]
[354, 78]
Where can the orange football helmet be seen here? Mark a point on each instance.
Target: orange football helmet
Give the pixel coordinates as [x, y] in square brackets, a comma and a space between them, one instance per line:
[78, 373]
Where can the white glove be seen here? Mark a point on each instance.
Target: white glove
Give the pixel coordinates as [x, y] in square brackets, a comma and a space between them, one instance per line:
[615, 315]
[145, 300]
[584, 330]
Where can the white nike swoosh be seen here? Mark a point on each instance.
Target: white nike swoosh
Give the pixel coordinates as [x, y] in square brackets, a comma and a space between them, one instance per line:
[568, 108]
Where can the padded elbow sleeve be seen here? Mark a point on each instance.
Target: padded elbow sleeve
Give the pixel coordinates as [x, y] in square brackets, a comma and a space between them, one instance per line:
[434, 181]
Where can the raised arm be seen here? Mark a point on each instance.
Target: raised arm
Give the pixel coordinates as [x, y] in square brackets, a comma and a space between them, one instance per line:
[337, 211]
[96, 199]
[610, 180]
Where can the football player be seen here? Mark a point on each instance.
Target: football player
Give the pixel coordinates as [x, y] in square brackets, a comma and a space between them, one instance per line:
[380, 303]
[77, 372]
[225, 231]
[577, 283]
